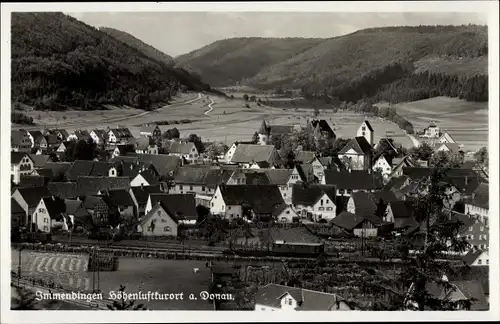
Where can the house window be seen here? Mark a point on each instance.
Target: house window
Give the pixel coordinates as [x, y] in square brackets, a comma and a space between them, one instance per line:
[167, 229]
[479, 261]
[229, 207]
[232, 215]
[45, 229]
[482, 228]
[349, 191]
[471, 237]
[191, 188]
[341, 191]
[45, 220]
[163, 220]
[159, 213]
[202, 188]
[329, 208]
[321, 208]
[487, 261]
[223, 207]
[287, 212]
[212, 204]
[289, 301]
[470, 229]
[284, 194]
[321, 202]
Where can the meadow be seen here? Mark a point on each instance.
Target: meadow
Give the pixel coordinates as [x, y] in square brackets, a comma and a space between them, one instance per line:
[466, 122]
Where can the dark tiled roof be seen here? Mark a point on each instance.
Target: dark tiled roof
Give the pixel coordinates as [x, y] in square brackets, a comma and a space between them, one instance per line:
[280, 129]
[155, 209]
[120, 197]
[121, 132]
[91, 202]
[32, 196]
[355, 179]
[308, 195]
[150, 177]
[181, 206]
[141, 194]
[165, 165]
[181, 148]
[473, 290]
[349, 221]
[56, 207]
[32, 181]
[256, 178]
[309, 300]
[480, 196]
[263, 199]
[247, 153]
[39, 160]
[73, 206]
[384, 195]
[56, 169]
[16, 157]
[306, 172]
[16, 136]
[190, 175]
[359, 144]
[293, 235]
[142, 143]
[83, 168]
[278, 176]
[92, 185]
[401, 209]
[365, 203]
[15, 208]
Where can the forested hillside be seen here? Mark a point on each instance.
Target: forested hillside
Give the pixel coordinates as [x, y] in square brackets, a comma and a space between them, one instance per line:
[391, 64]
[228, 61]
[59, 62]
[136, 43]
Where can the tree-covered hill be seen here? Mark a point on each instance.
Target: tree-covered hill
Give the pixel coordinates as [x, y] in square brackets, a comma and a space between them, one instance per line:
[60, 62]
[136, 43]
[391, 63]
[228, 61]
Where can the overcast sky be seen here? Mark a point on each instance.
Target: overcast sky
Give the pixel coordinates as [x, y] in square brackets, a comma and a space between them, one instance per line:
[178, 33]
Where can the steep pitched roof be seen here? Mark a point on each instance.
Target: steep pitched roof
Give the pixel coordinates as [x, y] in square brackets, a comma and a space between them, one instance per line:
[401, 208]
[92, 185]
[256, 178]
[365, 203]
[165, 165]
[72, 206]
[32, 195]
[355, 179]
[262, 198]
[278, 176]
[150, 177]
[16, 157]
[121, 132]
[349, 221]
[32, 181]
[148, 128]
[181, 148]
[100, 133]
[358, 144]
[83, 168]
[263, 128]
[246, 153]
[16, 136]
[396, 183]
[323, 126]
[306, 172]
[54, 169]
[452, 147]
[473, 289]
[120, 197]
[141, 194]
[308, 300]
[191, 175]
[181, 206]
[480, 196]
[280, 129]
[39, 160]
[367, 123]
[55, 207]
[15, 208]
[308, 195]
[154, 210]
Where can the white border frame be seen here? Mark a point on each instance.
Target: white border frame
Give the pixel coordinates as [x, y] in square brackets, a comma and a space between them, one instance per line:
[489, 8]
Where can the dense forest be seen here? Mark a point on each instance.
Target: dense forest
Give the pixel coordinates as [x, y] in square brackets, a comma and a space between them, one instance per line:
[226, 62]
[59, 62]
[385, 64]
[136, 43]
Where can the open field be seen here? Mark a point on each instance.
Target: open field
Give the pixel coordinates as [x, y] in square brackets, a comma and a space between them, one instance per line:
[228, 120]
[162, 276]
[466, 122]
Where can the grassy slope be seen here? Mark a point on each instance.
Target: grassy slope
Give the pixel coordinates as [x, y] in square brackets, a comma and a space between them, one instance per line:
[134, 42]
[294, 62]
[227, 61]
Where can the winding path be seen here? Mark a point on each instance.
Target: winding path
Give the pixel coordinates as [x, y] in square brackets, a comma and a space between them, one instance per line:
[210, 106]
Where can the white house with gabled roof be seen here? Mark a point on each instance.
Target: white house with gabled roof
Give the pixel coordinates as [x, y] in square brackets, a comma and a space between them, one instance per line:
[383, 165]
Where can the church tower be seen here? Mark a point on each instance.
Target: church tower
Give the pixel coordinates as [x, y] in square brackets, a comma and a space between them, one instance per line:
[366, 131]
[263, 133]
